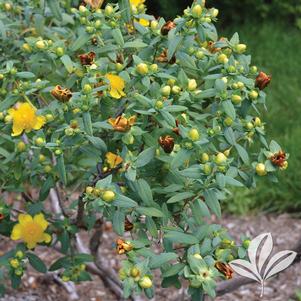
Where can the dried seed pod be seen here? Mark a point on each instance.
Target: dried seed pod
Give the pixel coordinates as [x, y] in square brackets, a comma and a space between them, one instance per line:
[167, 143]
[128, 226]
[279, 159]
[61, 94]
[262, 80]
[169, 25]
[225, 269]
[87, 58]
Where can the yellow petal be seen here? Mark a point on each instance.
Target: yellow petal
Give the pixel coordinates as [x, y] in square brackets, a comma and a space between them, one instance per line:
[17, 232]
[39, 123]
[17, 129]
[31, 245]
[24, 218]
[47, 238]
[115, 94]
[39, 219]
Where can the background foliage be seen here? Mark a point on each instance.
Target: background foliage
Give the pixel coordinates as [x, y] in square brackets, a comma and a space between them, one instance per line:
[276, 27]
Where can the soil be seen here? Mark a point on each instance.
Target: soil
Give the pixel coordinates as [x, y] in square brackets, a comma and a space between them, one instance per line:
[286, 232]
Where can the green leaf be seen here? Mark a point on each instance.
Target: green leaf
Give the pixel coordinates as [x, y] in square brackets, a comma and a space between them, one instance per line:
[47, 185]
[123, 201]
[66, 60]
[212, 202]
[179, 197]
[229, 135]
[62, 262]
[150, 211]
[158, 260]
[242, 153]
[88, 123]
[25, 74]
[145, 157]
[135, 44]
[174, 270]
[151, 227]
[199, 211]
[125, 9]
[61, 169]
[55, 9]
[173, 44]
[144, 192]
[180, 237]
[118, 222]
[98, 143]
[229, 109]
[117, 35]
[180, 158]
[80, 41]
[36, 263]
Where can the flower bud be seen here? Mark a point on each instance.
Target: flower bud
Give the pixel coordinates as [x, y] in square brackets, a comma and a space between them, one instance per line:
[197, 11]
[236, 99]
[260, 169]
[47, 169]
[8, 119]
[89, 190]
[166, 90]
[253, 70]
[142, 69]
[39, 141]
[87, 89]
[59, 51]
[159, 104]
[154, 68]
[49, 117]
[220, 159]
[197, 256]
[108, 196]
[200, 54]
[21, 146]
[176, 89]
[240, 85]
[249, 126]
[222, 59]
[42, 158]
[205, 158]
[41, 44]
[26, 47]
[240, 48]
[19, 254]
[192, 84]
[231, 69]
[14, 263]
[82, 9]
[97, 24]
[145, 282]
[194, 135]
[228, 121]
[109, 10]
[257, 122]
[214, 12]
[154, 25]
[207, 169]
[253, 95]
[135, 272]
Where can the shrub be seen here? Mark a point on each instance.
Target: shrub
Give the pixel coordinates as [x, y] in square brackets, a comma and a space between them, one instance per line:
[141, 122]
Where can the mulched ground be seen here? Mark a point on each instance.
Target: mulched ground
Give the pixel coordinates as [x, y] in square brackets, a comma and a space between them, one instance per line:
[286, 232]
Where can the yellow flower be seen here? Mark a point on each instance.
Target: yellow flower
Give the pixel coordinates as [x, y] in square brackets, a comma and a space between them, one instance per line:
[25, 118]
[122, 124]
[144, 22]
[136, 3]
[116, 84]
[113, 160]
[31, 230]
